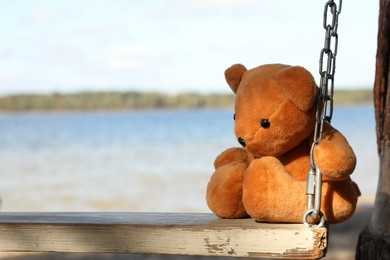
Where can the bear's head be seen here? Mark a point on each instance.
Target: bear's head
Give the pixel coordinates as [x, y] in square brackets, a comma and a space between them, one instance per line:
[275, 107]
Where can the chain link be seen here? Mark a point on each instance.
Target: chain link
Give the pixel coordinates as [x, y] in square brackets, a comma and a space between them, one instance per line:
[327, 69]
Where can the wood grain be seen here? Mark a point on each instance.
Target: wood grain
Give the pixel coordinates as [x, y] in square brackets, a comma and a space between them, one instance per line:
[158, 233]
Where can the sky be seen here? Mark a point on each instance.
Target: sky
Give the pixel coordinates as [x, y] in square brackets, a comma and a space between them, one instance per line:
[173, 46]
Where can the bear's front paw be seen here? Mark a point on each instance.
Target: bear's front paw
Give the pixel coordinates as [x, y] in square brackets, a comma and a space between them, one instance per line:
[233, 155]
[335, 161]
[224, 191]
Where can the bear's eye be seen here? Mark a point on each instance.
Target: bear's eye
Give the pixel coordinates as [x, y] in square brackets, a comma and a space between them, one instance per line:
[265, 123]
[234, 116]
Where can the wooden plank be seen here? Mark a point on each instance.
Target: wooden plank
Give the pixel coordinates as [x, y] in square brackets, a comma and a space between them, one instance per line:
[158, 233]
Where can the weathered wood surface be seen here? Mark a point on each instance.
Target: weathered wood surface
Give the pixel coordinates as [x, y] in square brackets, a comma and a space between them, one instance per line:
[381, 214]
[374, 241]
[158, 233]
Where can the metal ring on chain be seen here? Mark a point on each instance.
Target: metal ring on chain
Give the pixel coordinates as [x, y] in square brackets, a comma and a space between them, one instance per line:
[306, 222]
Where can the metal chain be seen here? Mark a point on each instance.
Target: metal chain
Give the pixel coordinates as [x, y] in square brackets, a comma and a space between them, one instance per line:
[327, 69]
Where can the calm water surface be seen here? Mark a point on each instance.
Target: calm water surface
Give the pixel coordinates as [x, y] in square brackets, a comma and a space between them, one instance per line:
[135, 160]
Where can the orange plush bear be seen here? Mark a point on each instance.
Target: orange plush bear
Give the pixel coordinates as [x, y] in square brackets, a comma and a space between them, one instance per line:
[275, 108]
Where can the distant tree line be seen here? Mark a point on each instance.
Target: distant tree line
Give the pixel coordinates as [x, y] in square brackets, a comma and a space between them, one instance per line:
[112, 101]
[138, 100]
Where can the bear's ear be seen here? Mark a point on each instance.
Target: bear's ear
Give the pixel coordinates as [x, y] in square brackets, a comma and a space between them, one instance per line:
[233, 76]
[298, 86]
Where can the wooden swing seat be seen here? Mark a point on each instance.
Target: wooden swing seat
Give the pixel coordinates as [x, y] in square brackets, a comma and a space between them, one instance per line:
[158, 233]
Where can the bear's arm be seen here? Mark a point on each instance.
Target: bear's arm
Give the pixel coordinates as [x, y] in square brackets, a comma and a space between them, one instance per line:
[233, 155]
[334, 156]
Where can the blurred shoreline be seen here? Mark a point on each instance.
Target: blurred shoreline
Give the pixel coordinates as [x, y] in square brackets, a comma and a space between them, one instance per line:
[106, 101]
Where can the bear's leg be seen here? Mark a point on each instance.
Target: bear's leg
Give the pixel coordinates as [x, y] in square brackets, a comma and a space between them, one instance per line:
[270, 194]
[224, 191]
[339, 200]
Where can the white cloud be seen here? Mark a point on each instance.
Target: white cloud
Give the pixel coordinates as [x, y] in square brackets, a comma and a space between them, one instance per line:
[183, 44]
[44, 15]
[5, 52]
[218, 6]
[130, 57]
[196, 7]
[116, 63]
[136, 52]
[10, 75]
[96, 31]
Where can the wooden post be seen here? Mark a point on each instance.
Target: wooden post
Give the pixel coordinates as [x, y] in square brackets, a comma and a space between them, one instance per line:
[374, 241]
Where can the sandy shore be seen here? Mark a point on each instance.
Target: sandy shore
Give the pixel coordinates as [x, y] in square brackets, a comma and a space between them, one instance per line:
[342, 242]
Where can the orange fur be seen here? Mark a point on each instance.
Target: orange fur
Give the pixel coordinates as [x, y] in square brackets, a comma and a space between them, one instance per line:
[266, 179]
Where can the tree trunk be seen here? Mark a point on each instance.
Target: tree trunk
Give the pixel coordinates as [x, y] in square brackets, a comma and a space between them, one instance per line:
[374, 241]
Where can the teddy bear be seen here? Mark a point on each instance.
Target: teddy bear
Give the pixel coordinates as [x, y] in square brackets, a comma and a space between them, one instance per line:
[275, 117]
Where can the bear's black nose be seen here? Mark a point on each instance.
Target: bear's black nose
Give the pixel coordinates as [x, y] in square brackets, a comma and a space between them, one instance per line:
[241, 141]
